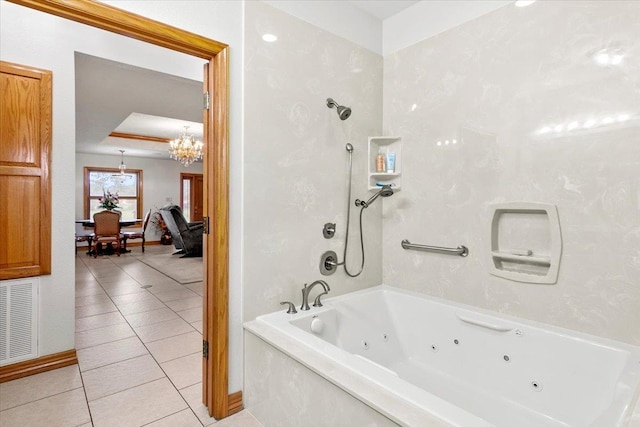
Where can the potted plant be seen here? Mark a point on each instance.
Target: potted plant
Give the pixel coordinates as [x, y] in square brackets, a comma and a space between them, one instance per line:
[109, 201]
[161, 228]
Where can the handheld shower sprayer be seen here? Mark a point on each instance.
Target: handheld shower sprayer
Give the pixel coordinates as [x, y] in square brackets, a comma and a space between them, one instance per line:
[385, 191]
[343, 112]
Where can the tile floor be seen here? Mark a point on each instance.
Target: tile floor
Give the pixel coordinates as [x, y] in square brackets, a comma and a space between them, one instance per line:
[139, 352]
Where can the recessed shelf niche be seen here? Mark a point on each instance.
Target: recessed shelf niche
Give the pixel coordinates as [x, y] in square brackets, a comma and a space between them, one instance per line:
[387, 144]
[526, 244]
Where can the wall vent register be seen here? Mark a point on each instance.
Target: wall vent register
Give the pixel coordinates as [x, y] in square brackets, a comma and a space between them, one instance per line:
[18, 320]
[526, 243]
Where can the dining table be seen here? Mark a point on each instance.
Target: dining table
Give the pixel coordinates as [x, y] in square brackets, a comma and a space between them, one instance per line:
[109, 249]
[123, 222]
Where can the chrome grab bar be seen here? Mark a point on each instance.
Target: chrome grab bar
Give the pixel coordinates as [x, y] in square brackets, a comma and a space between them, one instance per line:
[460, 250]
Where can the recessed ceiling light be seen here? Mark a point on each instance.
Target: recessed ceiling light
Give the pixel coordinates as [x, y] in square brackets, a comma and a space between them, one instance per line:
[616, 59]
[524, 3]
[543, 130]
[609, 57]
[269, 38]
[623, 117]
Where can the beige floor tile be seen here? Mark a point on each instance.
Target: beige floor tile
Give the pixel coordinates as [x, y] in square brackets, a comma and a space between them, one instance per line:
[183, 304]
[99, 321]
[83, 291]
[196, 287]
[197, 325]
[123, 288]
[174, 295]
[164, 286]
[64, 409]
[137, 406]
[191, 314]
[108, 273]
[184, 371]
[93, 309]
[193, 396]
[141, 306]
[241, 419]
[92, 299]
[120, 376]
[158, 331]
[99, 336]
[105, 354]
[143, 295]
[174, 347]
[35, 387]
[151, 317]
[183, 418]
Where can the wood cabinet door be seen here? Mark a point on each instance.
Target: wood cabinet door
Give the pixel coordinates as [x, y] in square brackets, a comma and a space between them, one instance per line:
[25, 183]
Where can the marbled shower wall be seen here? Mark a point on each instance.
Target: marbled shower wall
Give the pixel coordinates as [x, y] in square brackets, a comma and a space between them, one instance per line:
[535, 119]
[295, 162]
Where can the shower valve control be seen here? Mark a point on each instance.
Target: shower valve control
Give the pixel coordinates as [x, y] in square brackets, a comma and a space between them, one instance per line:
[329, 230]
[328, 263]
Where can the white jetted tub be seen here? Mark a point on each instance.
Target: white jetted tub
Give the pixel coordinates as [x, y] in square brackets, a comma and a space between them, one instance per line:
[462, 366]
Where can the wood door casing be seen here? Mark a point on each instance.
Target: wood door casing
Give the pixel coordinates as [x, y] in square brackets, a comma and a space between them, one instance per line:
[25, 182]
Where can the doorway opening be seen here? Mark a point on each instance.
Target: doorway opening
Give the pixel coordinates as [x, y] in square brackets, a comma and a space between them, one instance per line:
[215, 172]
[191, 196]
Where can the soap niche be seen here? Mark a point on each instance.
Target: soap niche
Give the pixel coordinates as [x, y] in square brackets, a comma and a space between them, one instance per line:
[525, 242]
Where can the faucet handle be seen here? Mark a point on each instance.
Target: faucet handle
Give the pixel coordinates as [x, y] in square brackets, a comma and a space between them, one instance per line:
[317, 302]
[291, 309]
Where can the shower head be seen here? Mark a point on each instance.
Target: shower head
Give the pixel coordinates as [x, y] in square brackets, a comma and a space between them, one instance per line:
[385, 191]
[349, 147]
[343, 112]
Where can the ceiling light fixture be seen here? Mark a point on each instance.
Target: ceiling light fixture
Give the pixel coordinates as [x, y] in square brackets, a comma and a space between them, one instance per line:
[122, 166]
[186, 149]
[524, 3]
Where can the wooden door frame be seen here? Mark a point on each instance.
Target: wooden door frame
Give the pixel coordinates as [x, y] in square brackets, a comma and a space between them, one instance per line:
[215, 170]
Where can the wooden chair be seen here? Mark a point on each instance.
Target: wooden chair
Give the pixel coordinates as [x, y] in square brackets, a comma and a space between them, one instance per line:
[128, 235]
[106, 230]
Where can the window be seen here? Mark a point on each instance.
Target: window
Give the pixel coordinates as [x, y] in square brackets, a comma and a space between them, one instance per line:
[98, 181]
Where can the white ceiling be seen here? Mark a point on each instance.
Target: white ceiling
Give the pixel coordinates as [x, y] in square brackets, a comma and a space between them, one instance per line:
[383, 9]
[111, 96]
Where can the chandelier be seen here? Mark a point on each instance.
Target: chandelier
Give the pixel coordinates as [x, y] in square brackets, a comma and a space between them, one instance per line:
[186, 149]
[122, 168]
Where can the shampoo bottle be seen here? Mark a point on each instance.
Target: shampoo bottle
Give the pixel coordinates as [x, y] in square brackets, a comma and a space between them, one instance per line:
[380, 161]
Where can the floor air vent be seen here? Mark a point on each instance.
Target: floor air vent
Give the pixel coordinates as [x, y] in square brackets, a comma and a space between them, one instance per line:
[18, 320]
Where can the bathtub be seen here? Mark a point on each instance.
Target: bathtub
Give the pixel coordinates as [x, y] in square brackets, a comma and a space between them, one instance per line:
[423, 361]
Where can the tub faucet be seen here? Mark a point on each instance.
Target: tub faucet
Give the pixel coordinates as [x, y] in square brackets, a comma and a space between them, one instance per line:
[307, 289]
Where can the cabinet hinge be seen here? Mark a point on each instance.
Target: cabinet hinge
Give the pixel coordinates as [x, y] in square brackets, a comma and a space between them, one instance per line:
[206, 100]
[205, 225]
[205, 349]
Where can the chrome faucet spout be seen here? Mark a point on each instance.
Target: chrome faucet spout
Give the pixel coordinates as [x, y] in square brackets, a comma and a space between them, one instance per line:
[307, 289]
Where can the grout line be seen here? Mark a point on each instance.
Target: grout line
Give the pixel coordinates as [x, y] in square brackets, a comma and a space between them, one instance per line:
[86, 399]
[128, 388]
[46, 397]
[170, 415]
